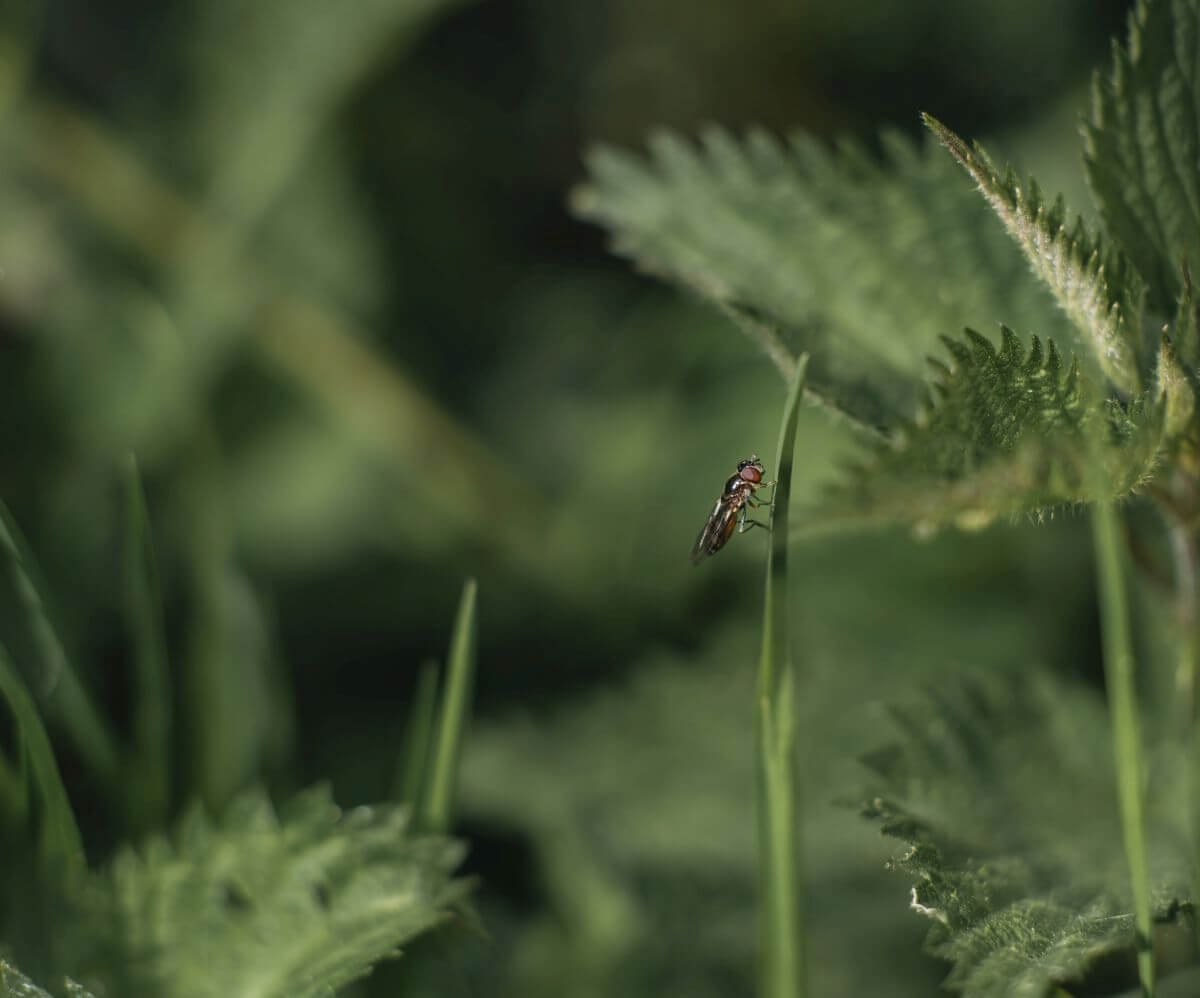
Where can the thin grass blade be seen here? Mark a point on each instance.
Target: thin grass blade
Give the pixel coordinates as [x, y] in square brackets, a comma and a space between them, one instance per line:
[783, 970]
[59, 841]
[152, 689]
[54, 682]
[418, 738]
[452, 720]
[1126, 727]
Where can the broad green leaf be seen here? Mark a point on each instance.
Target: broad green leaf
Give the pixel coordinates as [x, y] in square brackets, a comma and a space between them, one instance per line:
[289, 906]
[1025, 890]
[1096, 289]
[858, 263]
[1001, 434]
[1143, 142]
[14, 984]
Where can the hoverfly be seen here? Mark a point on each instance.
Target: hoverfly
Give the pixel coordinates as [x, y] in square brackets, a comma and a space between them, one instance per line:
[737, 498]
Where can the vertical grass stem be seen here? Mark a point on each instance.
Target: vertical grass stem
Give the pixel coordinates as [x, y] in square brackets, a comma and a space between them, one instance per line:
[418, 738]
[152, 696]
[783, 967]
[1127, 738]
[53, 679]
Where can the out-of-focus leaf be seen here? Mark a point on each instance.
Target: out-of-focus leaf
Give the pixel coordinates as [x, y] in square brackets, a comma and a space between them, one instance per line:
[299, 60]
[862, 265]
[278, 907]
[1020, 901]
[48, 673]
[637, 799]
[59, 842]
[1142, 144]
[239, 718]
[151, 670]
[14, 984]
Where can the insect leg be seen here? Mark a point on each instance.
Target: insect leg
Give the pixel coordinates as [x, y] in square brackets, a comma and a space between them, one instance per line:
[745, 523]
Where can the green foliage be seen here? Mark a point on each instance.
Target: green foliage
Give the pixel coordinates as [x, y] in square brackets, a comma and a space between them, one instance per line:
[1002, 433]
[862, 265]
[60, 846]
[48, 672]
[1142, 144]
[636, 799]
[1021, 899]
[14, 984]
[1094, 287]
[452, 718]
[152, 710]
[866, 266]
[260, 905]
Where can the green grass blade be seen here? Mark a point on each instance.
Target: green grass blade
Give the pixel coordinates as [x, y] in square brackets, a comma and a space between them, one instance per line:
[418, 738]
[13, 799]
[453, 716]
[1126, 729]
[59, 841]
[782, 936]
[56, 685]
[152, 690]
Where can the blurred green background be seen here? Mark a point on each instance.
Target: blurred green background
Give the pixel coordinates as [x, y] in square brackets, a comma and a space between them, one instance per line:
[312, 263]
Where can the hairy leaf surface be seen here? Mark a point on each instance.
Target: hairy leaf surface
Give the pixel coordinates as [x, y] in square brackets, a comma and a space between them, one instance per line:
[1026, 887]
[1143, 143]
[1001, 434]
[14, 984]
[260, 905]
[1095, 287]
[861, 264]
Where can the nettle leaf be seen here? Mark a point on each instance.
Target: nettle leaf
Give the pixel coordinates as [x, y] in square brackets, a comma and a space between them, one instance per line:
[861, 264]
[14, 984]
[1095, 287]
[1026, 888]
[1143, 142]
[260, 905]
[1002, 433]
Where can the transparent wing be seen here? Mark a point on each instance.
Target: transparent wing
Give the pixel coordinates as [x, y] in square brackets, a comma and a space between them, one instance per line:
[716, 531]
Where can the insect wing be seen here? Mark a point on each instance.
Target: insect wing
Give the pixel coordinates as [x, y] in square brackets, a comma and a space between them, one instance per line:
[716, 530]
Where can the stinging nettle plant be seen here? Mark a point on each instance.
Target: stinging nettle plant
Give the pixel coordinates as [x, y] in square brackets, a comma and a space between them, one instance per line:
[892, 277]
[299, 900]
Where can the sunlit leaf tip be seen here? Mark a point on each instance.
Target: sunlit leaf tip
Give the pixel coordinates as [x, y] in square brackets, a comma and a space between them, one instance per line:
[1094, 286]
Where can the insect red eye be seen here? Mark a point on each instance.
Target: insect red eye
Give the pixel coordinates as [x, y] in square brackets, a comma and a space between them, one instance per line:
[751, 474]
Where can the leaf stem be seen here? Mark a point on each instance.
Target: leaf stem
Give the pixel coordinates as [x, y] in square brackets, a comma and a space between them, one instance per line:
[783, 971]
[1127, 738]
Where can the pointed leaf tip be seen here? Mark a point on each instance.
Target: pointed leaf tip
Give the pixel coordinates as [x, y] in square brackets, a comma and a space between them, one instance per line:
[1089, 284]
